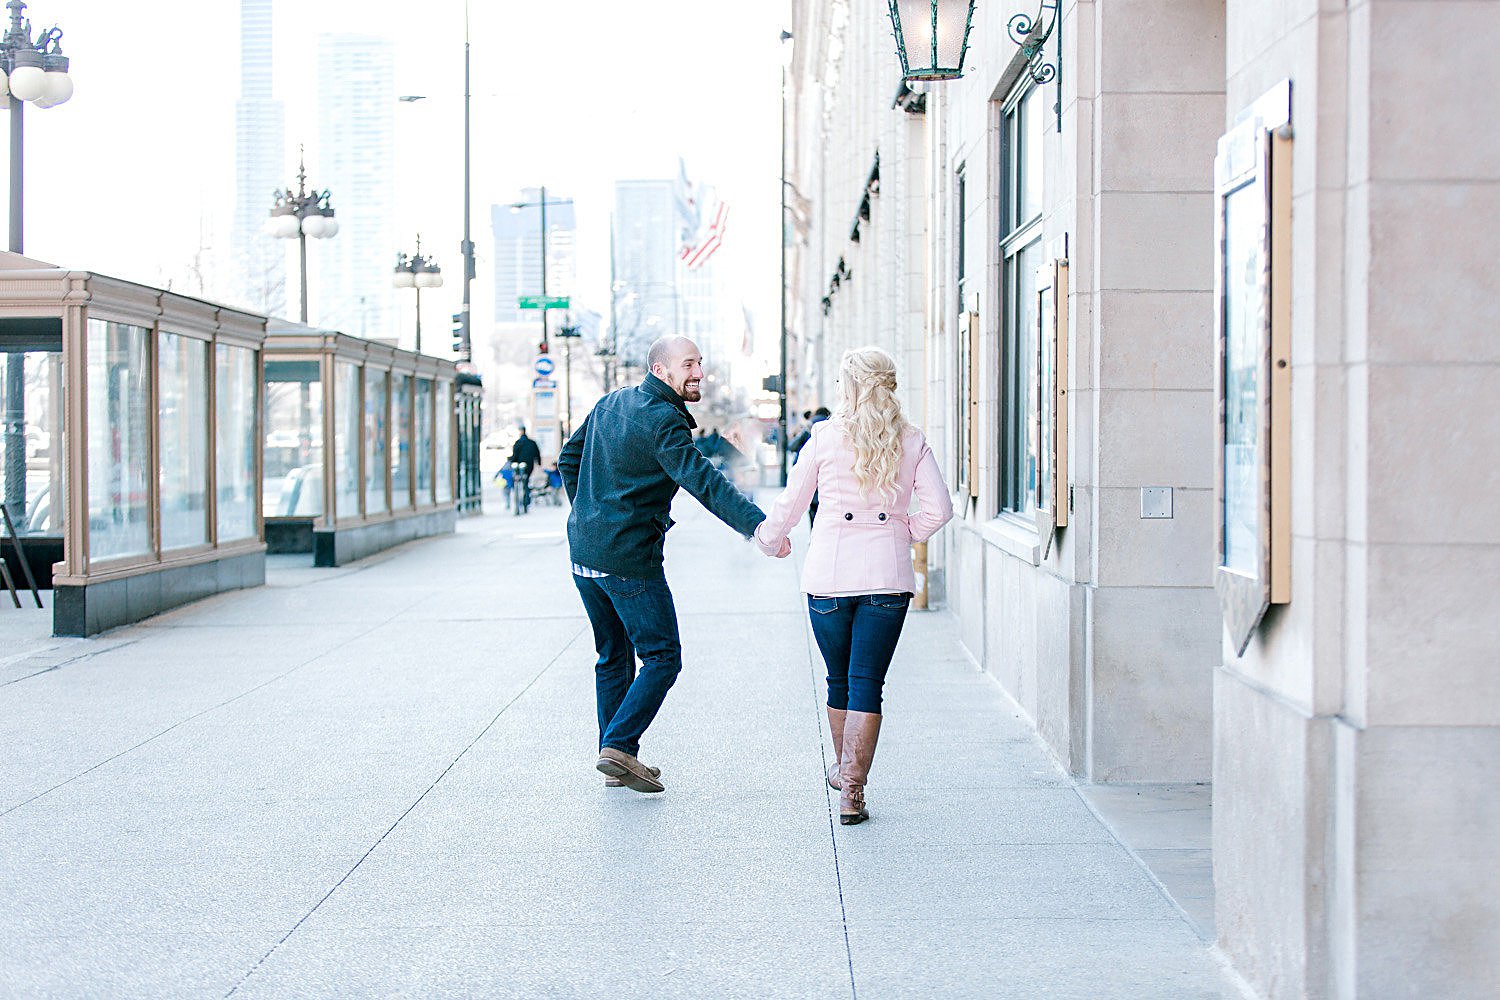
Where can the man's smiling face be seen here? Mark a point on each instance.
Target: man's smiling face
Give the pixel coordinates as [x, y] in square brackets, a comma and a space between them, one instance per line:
[683, 371]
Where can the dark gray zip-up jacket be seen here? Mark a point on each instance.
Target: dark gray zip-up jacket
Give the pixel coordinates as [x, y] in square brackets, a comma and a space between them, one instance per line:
[622, 467]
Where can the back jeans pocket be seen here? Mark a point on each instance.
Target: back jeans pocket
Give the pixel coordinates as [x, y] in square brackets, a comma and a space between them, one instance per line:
[890, 602]
[622, 587]
[823, 605]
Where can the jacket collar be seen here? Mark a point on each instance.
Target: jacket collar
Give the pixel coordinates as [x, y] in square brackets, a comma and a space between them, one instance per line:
[653, 386]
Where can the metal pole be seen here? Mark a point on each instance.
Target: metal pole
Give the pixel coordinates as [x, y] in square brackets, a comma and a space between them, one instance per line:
[614, 329]
[15, 362]
[544, 268]
[301, 236]
[302, 249]
[568, 389]
[17, 149]
[466, 351]
[781, 225]
[419, 319]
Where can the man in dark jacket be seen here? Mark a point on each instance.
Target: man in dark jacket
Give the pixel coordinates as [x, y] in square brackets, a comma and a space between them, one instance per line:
[621, 468]
[526, 452]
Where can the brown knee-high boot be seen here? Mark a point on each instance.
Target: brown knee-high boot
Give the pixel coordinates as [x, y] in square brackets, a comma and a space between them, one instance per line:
[861, 732]
[836, 727]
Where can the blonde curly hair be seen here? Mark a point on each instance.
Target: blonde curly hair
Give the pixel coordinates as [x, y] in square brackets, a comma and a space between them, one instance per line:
[872, 418]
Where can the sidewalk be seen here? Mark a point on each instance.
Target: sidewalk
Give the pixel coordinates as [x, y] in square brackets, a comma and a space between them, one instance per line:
[378, 781]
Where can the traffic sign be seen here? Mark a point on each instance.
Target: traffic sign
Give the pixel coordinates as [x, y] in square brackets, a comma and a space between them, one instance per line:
[544, 302]
[544, 383]
[544, 365]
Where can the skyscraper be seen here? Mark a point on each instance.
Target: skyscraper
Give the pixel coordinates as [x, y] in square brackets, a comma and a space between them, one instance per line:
[518, 258]
[646, 241]
[352, 288]
[260, 158]
[656, 293]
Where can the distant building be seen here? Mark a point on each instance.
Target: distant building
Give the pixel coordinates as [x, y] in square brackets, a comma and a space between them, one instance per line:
[259, 167]
[351, 287]
[656, 292]
[518, 254]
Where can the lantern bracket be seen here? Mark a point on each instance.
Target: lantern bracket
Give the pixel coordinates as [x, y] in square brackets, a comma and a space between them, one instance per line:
[1030, 32]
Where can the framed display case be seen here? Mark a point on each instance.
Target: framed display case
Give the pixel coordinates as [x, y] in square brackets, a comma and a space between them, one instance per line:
[140, 417]
[1252, 185]
[1051, 393]
[371, 431]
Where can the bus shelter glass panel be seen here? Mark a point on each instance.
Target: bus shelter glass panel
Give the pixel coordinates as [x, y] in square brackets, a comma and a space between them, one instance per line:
[182, 409]
[444, 442]
[401, 457]
[119, 421]
[234, 390]
[293, 479]
[347, 425]
[377, 442]
[422, 444]
[34, 453]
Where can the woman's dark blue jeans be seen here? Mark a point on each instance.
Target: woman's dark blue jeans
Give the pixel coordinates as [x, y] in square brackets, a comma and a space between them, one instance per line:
[857, 636]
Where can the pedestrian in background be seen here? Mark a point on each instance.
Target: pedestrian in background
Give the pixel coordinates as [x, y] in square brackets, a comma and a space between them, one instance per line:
[869, 465]
[621, 468]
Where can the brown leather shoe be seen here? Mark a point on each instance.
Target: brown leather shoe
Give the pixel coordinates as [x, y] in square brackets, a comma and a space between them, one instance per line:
[631, 772]
[617, 783]
[861, 733]
[836, 728]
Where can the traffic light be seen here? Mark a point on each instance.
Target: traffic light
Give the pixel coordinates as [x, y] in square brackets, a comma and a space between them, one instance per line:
[771, 383]
[458, 333]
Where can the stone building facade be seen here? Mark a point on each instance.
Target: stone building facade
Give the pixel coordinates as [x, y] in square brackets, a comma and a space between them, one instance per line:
[1354, 743]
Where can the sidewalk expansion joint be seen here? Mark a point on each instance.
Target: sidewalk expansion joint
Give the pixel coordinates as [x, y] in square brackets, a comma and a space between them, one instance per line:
[407, 812]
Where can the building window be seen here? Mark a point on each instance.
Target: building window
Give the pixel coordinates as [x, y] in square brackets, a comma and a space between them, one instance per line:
[1021, 255]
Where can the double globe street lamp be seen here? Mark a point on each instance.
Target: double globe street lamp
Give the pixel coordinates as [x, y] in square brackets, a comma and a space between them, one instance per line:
[36, 73]
[300, 214]
[416, 271]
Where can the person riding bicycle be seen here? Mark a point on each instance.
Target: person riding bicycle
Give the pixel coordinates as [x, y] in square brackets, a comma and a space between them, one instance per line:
[525, 453]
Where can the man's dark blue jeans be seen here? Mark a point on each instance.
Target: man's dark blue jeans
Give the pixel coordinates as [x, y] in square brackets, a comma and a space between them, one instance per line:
[631, 618]
[857, 637]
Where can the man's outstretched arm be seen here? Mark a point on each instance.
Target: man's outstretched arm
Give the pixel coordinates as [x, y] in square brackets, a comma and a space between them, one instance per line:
[687, 466]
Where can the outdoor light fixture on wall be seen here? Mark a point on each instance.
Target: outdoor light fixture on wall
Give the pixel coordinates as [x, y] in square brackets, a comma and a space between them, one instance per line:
[932, 37]
[1030, 32]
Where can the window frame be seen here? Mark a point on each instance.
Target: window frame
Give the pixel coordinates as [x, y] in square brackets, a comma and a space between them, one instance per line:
[1018, 363]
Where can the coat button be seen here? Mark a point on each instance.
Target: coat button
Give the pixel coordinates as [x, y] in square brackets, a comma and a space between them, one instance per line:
[882, 517]
[848, 517]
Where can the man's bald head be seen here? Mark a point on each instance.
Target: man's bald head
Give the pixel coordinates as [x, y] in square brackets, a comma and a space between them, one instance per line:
[676, 361]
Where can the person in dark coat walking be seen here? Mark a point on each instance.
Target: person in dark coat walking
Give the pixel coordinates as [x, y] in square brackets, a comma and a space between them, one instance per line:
[621, 469]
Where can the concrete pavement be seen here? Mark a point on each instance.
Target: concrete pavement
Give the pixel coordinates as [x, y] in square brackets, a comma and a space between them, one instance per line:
[378, 781]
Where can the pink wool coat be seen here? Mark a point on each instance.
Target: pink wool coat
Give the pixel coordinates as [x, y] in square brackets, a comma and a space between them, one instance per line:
[859, 545]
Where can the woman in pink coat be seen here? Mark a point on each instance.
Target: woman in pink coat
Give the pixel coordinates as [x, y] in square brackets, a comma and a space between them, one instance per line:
[867, 465]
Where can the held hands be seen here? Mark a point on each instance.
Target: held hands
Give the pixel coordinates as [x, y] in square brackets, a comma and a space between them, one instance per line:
[778, 552]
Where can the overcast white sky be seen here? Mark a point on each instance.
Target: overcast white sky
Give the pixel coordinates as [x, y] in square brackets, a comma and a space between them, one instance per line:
[125, 177]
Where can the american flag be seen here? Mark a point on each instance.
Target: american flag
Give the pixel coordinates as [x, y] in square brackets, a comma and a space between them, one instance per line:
[696, 253]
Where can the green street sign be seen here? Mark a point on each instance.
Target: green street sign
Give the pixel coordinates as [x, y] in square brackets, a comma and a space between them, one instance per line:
[544, 302]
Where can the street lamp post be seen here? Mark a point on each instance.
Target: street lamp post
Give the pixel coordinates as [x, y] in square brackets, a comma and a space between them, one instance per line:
[34, 71]
[781, 421]
[542, 202]
[570, 333]
[300, 214]
[416, 271]
[466, 338]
